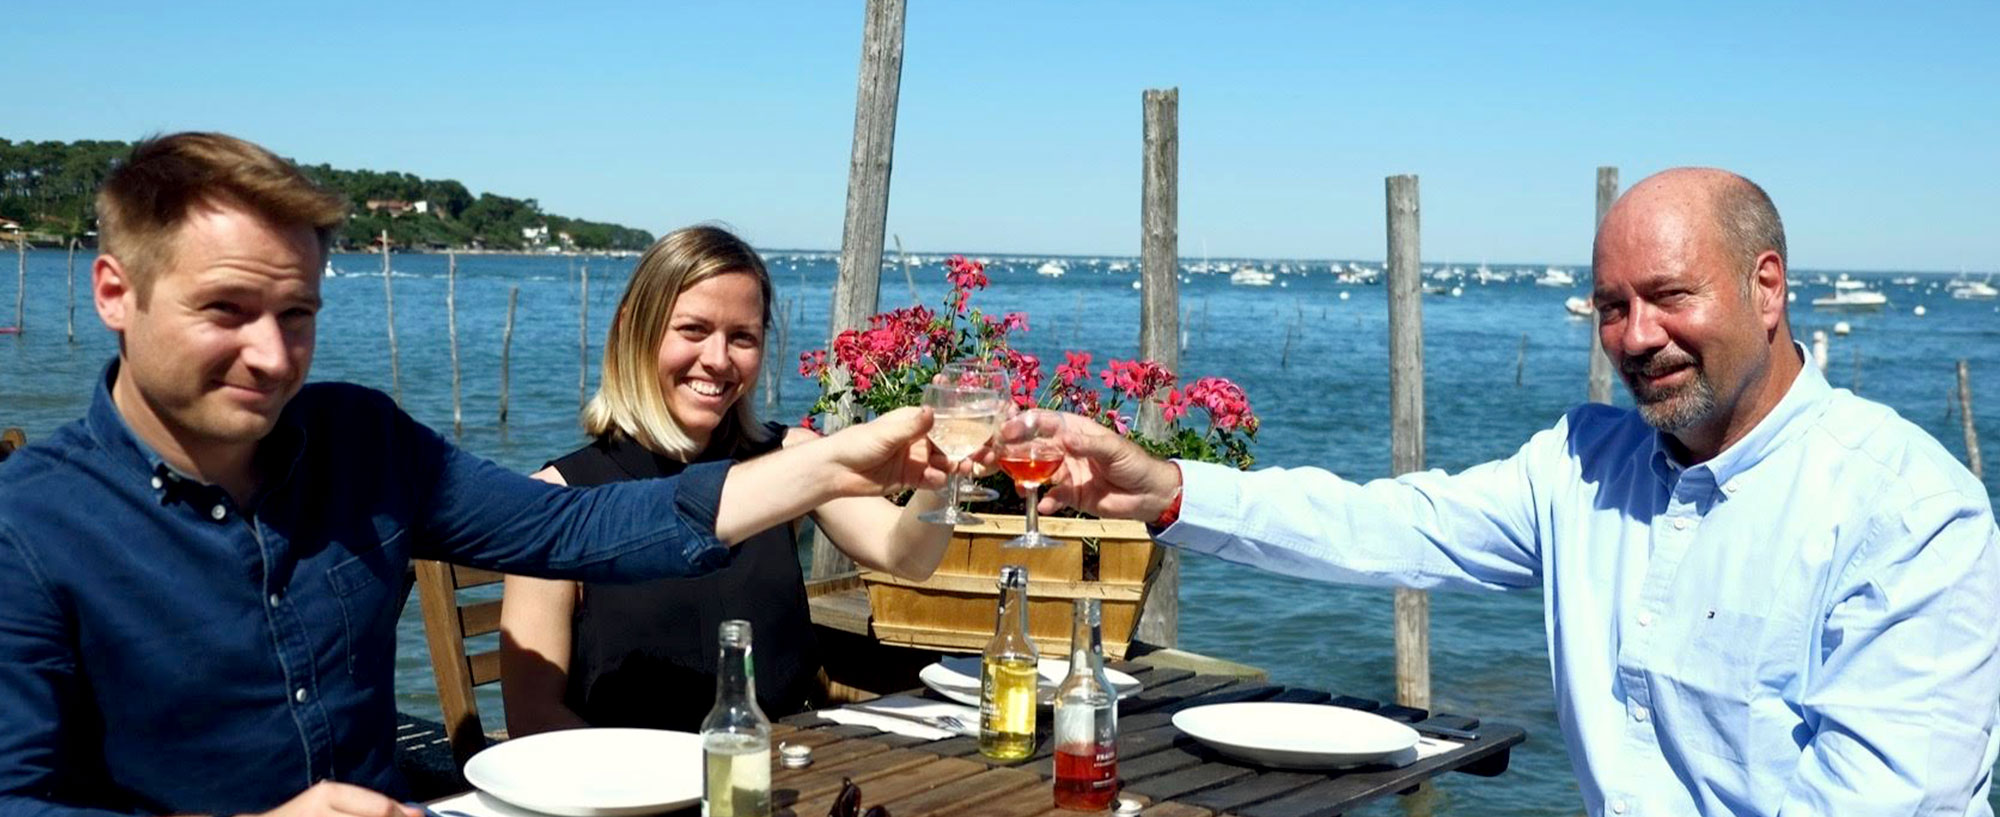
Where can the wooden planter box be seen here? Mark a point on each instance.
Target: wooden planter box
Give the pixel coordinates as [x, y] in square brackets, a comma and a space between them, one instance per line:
[953, 610]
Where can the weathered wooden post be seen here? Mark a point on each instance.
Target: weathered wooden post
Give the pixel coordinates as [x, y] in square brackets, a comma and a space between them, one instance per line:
[21, 289]
[1521, 360]
[451, 326]
[71, 284]
[857, 292]
[1965, 416]
[389, 309]
[1600, 365]
[583, 341]
[1406, 421]
[507, 347]
[1160, 319]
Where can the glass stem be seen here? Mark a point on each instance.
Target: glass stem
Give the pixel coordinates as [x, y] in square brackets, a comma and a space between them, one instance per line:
[951, 487]
[1034, 495]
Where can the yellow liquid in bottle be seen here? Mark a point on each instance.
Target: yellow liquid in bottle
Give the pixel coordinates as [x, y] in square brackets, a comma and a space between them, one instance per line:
[1007, 707]
[738, 782]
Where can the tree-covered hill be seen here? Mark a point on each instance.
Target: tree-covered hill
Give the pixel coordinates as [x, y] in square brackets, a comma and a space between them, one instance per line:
[47, 188]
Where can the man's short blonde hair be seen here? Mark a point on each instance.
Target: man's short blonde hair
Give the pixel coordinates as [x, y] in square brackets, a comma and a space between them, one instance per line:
[629, 399]
[142, 205]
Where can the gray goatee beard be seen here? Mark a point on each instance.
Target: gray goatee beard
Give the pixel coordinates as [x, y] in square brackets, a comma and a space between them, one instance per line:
[1672, 408]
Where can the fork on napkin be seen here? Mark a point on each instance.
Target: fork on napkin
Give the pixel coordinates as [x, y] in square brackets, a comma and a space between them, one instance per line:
[909, 715]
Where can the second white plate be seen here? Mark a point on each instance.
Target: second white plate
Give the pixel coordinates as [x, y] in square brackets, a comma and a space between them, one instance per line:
[1296, 736]
[957, 678]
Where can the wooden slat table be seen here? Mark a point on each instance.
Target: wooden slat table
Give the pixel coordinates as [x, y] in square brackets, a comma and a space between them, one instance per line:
[1159, 766]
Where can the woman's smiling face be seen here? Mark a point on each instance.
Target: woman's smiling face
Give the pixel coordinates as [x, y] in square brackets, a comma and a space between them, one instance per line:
[712, 351]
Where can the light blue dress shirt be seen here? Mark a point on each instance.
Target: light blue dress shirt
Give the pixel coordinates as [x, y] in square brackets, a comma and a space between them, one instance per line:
[1805, 624]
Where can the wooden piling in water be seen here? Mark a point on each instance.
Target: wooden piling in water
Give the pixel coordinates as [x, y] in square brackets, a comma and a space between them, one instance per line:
[506, 348]
[1972, 460]
[583, 340]
[451, 326]
[1406, 419]
[1160, 318]
[389, 310]
[70, 284]
[1521, 360]
[21, 288]
[1600, 365]
[857, 291]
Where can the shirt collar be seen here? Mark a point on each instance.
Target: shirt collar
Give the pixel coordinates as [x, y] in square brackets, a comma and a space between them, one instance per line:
[279, 451]
[1803, 398]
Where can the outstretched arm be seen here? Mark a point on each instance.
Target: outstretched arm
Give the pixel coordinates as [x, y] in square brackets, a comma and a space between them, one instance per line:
[877, 533]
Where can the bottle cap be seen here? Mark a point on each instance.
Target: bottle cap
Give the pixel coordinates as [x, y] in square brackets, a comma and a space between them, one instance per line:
[1128, 805]
[794, 756]
[733, 633]
[1013, 577]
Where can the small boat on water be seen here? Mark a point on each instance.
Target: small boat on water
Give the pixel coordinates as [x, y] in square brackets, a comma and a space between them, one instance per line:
[1577, 307]
[1556, 277]
[1247, 276]
[1051, 269]
[1973, 291]
[1850, 294]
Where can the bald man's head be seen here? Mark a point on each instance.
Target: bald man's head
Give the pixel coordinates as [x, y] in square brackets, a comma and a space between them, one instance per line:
[1744, 220]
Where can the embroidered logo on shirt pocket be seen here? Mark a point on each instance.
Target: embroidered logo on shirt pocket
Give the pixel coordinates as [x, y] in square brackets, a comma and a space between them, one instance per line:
[1713, 683]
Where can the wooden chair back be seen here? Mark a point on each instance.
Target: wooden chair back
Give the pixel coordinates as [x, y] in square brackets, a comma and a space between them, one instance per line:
[447, 624]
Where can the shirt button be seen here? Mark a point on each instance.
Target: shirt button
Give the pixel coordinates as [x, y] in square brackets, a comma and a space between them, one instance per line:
[218, 512]
[274, 599]
[1639, 714]
[159, 483]
[1618, 806]
[1729, 489]
[300, 695]
[1679, 524]
[1645, 619]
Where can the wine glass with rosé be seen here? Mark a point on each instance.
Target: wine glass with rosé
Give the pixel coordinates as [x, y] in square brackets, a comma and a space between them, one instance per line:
[983, 373]
[963, 420]
[1030, 451]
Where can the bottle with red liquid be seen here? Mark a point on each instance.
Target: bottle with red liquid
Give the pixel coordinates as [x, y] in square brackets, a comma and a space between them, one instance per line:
[1086, 734]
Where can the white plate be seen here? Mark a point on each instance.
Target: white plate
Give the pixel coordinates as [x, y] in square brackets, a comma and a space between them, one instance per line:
[592, 772]
[1296, 736]
[957, 678]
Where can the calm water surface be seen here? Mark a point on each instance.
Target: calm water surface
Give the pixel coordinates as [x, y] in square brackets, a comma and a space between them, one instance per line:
[1315, 366]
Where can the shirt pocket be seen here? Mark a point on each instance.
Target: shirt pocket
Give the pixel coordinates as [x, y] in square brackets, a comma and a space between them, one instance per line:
[369, 587]
[1714, 684]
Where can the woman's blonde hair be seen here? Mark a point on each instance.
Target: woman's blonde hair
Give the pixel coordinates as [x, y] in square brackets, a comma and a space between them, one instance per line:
[629, 399]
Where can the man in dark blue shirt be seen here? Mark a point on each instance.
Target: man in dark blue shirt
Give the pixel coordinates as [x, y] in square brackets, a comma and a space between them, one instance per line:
[199, 580]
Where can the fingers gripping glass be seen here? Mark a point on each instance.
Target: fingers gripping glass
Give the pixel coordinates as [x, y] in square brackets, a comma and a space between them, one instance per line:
[983, 374]
[1031, 452]
[962, 420]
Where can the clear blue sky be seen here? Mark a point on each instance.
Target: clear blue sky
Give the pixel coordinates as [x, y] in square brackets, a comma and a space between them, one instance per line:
[1875, 126]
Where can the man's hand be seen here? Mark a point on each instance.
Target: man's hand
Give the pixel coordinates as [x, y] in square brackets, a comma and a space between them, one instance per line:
[887, 455]
[1107, 475]
[330, 799]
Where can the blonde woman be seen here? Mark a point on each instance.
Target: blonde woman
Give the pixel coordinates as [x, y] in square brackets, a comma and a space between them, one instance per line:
[680, 366]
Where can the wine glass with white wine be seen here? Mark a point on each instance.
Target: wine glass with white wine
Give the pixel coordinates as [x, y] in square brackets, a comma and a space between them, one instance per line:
[982, 373]
[962, 420]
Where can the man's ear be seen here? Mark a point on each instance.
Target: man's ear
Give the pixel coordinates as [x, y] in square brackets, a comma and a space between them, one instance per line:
[1768, 288]
[112, 289]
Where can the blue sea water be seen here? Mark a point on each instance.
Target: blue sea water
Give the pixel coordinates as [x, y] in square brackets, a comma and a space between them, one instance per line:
[1502, 361]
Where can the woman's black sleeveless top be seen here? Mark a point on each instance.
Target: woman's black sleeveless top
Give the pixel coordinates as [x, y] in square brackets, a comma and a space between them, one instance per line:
[643, 655]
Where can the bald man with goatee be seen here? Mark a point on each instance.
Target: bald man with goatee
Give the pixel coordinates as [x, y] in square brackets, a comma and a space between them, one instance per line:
[1765, 595]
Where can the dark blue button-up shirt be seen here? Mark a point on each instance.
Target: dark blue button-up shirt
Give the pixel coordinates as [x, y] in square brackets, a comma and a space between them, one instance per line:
[164, 650]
